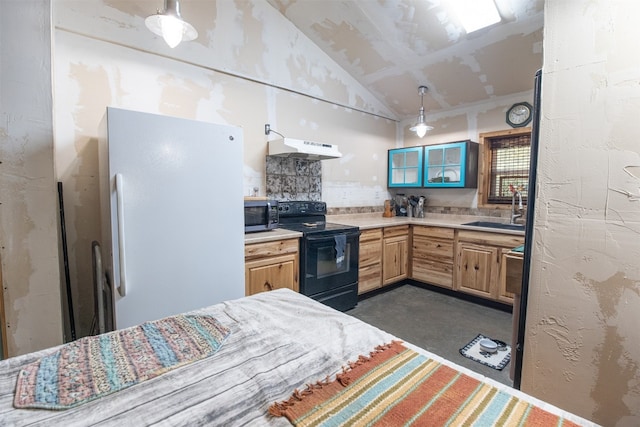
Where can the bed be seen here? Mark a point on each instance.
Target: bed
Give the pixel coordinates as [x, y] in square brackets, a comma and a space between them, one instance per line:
[279, 343]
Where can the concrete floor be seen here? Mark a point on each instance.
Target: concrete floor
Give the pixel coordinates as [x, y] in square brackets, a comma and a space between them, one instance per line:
[439, 323]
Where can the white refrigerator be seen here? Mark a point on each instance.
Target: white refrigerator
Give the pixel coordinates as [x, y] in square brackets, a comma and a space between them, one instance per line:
[172, 214]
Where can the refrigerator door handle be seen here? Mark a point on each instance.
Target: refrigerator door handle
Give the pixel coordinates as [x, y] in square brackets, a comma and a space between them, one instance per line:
[122, 288]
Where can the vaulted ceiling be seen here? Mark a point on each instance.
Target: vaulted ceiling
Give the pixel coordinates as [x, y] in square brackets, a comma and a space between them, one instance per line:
[394, 46]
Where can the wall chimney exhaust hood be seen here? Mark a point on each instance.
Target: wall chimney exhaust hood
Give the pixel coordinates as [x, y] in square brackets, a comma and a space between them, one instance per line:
[301, 149]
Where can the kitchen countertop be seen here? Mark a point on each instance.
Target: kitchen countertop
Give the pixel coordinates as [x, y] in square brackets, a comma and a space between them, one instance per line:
[376, 220]
[271, 235]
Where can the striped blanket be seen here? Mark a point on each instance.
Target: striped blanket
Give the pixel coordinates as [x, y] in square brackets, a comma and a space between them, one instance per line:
[96, 366]
[395, 386]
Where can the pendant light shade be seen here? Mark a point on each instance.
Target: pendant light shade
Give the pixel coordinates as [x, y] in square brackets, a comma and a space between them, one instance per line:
[421, 127]
[170, 26]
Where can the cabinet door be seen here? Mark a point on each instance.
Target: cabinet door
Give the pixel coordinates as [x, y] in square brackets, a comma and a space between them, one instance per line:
[405, 167]
[271, 273]
[370, 268]
[476, 270]
[509, 273]
[445, 165]
[395, 254]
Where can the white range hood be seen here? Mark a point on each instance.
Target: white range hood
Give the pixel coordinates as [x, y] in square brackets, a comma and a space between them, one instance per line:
[301, 149]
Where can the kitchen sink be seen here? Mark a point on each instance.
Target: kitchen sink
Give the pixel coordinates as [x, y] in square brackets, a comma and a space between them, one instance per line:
[500, 225]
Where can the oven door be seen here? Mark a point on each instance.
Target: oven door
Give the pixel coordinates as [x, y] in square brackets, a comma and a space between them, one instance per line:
[329, 262]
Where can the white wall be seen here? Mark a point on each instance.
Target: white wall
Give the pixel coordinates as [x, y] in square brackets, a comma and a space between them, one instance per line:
[28, 196]
[582, 346]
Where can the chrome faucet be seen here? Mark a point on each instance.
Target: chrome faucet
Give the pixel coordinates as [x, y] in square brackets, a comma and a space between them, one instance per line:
[515, 215]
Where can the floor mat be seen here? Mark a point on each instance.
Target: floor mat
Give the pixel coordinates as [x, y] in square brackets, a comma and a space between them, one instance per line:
[497, 360]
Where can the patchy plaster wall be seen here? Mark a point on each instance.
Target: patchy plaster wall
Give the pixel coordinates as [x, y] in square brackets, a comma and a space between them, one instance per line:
[582, 345]
[28, 195]
[458, 124]
[248, 67]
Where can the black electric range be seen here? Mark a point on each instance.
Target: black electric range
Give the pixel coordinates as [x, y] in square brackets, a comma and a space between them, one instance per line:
[328, 253]
[308, 217]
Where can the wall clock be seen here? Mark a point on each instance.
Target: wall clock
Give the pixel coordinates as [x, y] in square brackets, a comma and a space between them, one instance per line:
[519, 114]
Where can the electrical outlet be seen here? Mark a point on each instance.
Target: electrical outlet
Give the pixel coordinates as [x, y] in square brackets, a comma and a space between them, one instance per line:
[267, 129]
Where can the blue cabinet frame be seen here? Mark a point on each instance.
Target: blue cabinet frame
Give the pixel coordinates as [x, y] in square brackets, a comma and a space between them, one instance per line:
[405, 167]
[451, 165]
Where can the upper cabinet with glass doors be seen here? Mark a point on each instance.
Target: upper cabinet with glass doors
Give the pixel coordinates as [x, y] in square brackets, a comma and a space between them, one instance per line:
[451, 165]
[405, 167]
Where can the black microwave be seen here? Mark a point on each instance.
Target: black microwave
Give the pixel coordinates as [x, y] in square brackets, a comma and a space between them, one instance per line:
[260, 215]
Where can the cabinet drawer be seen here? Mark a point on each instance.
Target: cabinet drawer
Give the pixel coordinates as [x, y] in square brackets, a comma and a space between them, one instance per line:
[436, 250]
[370, 253]
[398, 230]
[490, 238]
[435, 232]
[432, 259]
[435, 273]
[267, 249]
[372, 234]
[369, 278]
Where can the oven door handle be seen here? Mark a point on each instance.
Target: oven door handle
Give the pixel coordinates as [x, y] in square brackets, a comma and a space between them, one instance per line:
[320, 238]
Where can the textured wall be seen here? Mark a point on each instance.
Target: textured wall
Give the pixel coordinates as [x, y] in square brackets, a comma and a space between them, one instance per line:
[249, 66]
[582, 348]
[28, 200]
[458, 124]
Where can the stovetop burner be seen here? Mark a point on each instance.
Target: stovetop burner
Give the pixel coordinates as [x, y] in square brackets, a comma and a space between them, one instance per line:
[308, 217]
[318, 227]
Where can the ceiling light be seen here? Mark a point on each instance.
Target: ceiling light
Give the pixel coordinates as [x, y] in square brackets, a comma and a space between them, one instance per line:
[476, 14]
[421, 127]
[170, 26]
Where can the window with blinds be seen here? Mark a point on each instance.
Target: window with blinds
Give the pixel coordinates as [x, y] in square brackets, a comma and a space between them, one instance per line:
[509, 165]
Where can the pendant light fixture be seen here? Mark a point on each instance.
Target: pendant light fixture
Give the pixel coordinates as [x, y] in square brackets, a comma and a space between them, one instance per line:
[421, 127]
[170, 26]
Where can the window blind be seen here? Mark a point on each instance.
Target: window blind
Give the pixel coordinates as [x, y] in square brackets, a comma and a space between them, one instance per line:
[509, 166]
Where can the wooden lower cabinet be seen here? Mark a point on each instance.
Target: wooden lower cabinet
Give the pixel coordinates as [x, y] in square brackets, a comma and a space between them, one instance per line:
[510, 276]
[462, 260]
[271, 265]
[370, 260]
[479, 263]
[395, 254]
[432, 255]
[476, 270]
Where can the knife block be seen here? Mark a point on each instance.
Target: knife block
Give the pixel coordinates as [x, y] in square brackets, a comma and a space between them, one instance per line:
[388, 212]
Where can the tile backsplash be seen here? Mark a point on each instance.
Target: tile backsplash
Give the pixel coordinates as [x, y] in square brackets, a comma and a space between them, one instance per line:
[501, 214]
[289, 179]
[293, 179]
